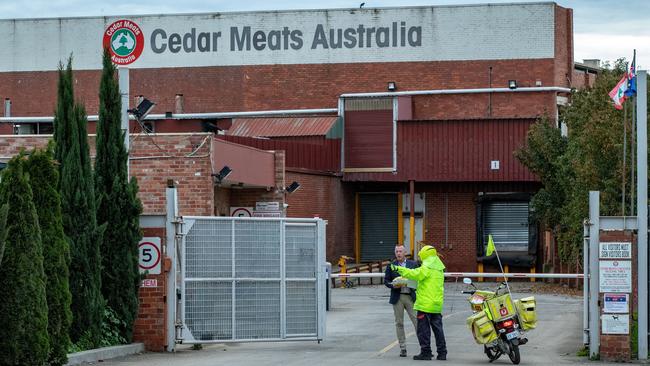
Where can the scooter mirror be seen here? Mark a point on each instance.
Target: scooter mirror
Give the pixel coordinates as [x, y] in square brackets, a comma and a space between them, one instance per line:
[467, 281]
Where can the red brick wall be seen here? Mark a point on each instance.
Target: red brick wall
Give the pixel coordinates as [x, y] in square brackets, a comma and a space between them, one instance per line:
[157, 158]
[154, 160]
[563, 46]
[583, 79]
[459, 253]
[469, 106]
[150, 326]
[617, 347]
[325, 196]
[269, 87]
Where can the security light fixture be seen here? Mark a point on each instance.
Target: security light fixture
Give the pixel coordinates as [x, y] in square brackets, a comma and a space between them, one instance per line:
[292, 187]
[392, 86]
[143, 109]
[512, 84]
[223, 173]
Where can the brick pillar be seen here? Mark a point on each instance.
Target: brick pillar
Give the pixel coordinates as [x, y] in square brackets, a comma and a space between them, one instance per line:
[150, 326]
[618, 347]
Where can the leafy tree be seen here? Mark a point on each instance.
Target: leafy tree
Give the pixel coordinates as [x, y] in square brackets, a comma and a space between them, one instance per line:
[78, 210]
[591, 158]
[118, 206]
[44, 177]
[23, 309]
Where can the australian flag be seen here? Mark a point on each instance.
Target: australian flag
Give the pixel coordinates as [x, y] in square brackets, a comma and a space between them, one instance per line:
[631, 78]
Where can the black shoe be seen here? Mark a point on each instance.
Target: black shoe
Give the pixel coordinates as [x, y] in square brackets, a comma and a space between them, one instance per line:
[402, 353]
[441, 358]
[421, 357]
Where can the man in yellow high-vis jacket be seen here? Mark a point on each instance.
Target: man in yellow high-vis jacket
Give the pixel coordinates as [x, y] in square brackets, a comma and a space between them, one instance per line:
[429, 302]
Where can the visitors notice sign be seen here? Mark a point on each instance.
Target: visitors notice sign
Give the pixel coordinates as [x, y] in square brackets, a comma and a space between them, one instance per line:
[615, 276]
[615, 250]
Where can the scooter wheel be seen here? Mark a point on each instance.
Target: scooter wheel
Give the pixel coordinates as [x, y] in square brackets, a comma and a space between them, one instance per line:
[514, 355]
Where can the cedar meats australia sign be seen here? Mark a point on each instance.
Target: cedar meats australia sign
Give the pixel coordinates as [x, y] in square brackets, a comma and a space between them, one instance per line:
[124, 40]
[331, 36]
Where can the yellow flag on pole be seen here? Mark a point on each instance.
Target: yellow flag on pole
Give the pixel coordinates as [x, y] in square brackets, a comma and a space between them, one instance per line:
[490, 247]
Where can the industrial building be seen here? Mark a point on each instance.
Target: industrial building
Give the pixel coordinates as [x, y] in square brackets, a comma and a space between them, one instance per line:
[398, 124]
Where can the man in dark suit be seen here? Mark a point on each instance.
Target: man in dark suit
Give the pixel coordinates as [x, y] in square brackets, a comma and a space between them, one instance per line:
[401, 297]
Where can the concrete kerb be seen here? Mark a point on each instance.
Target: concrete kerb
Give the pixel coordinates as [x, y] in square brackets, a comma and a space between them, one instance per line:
[95, 355]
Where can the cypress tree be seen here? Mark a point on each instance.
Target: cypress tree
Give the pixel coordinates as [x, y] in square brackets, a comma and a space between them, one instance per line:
[78, 212]
[23, 309]
[118, 206]
[3, 229]
[44, 178]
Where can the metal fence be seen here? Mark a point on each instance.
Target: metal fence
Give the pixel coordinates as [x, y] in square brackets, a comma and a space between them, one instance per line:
[251, 279]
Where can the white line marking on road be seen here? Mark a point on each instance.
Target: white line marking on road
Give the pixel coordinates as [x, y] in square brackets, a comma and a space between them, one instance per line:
[395, 343]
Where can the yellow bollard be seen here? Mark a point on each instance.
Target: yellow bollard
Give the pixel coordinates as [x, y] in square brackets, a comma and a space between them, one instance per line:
[506, 269]
[344, 269]
[480, 270]
[532, 271]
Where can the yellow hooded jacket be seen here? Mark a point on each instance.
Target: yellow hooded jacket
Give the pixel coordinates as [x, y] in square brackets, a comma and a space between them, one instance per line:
[431, 281]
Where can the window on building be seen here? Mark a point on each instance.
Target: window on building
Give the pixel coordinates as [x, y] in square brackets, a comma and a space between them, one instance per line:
[37, 128]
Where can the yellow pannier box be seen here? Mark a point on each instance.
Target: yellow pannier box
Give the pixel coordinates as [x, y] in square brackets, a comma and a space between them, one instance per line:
[482, 328]
[526, 308]
[501, 307]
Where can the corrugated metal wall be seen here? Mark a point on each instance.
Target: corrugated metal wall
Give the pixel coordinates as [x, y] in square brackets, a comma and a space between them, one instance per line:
[324, 156]
[369, 133]
[457, 151]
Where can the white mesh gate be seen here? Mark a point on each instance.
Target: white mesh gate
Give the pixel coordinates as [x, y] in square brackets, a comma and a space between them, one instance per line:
[251, 279]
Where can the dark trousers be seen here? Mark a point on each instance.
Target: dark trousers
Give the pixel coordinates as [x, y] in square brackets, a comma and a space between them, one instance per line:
[426, 322]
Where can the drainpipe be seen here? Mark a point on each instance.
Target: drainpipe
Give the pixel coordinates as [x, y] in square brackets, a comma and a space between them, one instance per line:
[412, 217]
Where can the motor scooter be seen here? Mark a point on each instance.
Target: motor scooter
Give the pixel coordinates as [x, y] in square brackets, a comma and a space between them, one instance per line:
[499, 324]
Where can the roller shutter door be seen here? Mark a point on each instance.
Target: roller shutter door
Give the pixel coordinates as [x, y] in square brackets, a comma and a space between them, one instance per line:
[508, 223]
[378, 225]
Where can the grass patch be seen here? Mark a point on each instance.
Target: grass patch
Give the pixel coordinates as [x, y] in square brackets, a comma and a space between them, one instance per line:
[583, 352]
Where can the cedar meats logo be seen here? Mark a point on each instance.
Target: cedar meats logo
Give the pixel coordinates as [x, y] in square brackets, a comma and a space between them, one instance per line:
[125, 41]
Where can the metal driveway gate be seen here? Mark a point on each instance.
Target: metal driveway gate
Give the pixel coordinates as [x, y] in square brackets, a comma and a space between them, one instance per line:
[251, 279]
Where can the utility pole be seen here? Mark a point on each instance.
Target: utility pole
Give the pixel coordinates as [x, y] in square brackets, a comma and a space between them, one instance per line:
[642, 207]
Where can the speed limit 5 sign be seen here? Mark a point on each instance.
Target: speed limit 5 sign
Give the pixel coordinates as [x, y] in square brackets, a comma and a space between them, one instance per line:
[150, 255]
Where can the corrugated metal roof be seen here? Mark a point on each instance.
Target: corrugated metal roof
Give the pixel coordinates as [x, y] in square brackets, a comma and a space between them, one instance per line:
[281, 127]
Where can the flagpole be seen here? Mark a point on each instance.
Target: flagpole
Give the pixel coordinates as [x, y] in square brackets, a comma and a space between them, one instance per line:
[500, 265]
[502, 272]
[624, 155]
[632, 146]
[632, 163]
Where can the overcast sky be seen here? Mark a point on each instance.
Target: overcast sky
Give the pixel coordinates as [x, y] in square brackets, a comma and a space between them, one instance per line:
[605, 30]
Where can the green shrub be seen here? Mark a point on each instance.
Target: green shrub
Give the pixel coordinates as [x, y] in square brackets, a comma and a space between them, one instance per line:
[56, 252]
[23, 309]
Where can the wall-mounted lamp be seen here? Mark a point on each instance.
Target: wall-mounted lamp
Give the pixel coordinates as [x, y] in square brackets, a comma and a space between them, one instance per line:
[223, 173]
[142, 110]
[512, 84]
[392, 86]
[292, 187]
